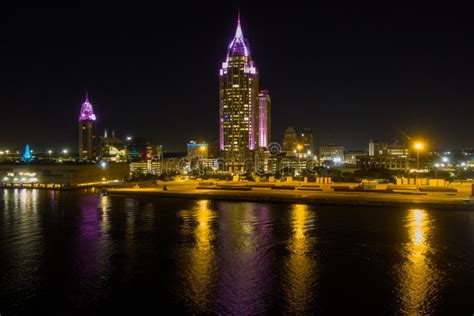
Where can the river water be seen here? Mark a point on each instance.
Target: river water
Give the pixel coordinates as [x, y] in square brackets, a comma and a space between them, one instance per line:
[83, 253]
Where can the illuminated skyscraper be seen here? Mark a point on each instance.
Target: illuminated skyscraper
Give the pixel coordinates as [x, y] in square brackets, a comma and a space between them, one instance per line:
[238, 94]
[264, 118]
[87, 136]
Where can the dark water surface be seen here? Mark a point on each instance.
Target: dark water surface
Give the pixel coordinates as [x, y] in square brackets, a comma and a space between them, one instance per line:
[82, 253]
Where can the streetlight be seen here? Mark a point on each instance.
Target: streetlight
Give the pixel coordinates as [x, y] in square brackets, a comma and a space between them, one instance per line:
[299, 147]
[65, 151]
[418, 147]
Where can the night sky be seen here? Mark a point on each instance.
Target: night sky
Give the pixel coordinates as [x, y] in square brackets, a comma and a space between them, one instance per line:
[349, 73]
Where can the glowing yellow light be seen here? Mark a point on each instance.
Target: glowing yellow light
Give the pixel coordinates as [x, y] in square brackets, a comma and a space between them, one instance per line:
[418, 146]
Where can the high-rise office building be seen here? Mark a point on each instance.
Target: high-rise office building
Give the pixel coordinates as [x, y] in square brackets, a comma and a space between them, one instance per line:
[238, 95]
[264, 118]
[290, 139]
[87, 131]
[307, 140]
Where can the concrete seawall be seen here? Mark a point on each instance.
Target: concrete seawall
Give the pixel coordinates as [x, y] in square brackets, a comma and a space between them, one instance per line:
[435, 200]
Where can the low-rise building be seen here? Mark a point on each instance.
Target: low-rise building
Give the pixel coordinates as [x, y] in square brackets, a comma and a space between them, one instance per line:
[146, 167]
[351, 156]
[331, 152]
[383, 161]
[62, 175]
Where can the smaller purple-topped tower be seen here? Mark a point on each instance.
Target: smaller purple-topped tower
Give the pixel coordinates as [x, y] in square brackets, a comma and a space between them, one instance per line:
[87, 128]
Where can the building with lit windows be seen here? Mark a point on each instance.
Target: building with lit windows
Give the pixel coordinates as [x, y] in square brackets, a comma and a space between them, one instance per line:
[290, 140]
[264, 119]
[61, 175]
[87, 131]
[332, 153]
[380, 148]
[197, 150]
[307, 140]
[238, 98]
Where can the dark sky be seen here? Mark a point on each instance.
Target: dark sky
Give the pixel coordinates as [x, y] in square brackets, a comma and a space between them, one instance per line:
[349, 73]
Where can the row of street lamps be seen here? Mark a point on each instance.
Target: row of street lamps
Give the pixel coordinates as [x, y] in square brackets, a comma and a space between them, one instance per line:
[50, 152]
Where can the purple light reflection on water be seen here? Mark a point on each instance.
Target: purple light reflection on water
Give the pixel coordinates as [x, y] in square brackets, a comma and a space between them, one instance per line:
[90, 251]
[245, 280]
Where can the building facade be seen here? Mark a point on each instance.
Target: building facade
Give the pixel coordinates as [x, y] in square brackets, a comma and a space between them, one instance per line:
[380, 148]
[351, 157]
[264, 119]
[87, 131]
[307, 140]
[59, 175]
[197, 150]
[383, 162]
[238, 96]
[331, 152]
[290, 140]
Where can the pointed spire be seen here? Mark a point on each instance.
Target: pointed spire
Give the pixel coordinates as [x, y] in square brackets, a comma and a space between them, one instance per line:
[238, 46]
[87, 112]
[238, 31]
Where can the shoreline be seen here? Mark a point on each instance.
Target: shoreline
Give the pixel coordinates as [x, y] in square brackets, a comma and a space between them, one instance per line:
[314, 198]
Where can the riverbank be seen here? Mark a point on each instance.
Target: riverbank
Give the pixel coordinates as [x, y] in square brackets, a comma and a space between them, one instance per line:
[320, 195]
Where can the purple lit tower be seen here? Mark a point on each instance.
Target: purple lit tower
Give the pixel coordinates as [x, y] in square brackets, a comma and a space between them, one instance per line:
[264, 118]
[87, 135]
[238, 96]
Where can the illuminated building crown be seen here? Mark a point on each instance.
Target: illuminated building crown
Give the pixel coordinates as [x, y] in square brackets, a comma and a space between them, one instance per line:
[239, 45]
[87, 112]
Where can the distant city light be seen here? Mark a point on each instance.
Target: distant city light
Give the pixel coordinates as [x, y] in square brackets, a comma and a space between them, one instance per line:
[445, 159]
[50, 151]
[103, 164]
[65, 151]
[129, 138]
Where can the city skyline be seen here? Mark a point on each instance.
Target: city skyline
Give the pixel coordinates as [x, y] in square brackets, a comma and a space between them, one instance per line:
[309, 87]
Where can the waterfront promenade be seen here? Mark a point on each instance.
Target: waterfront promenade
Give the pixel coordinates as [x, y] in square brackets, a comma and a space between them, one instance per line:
[298, 193]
